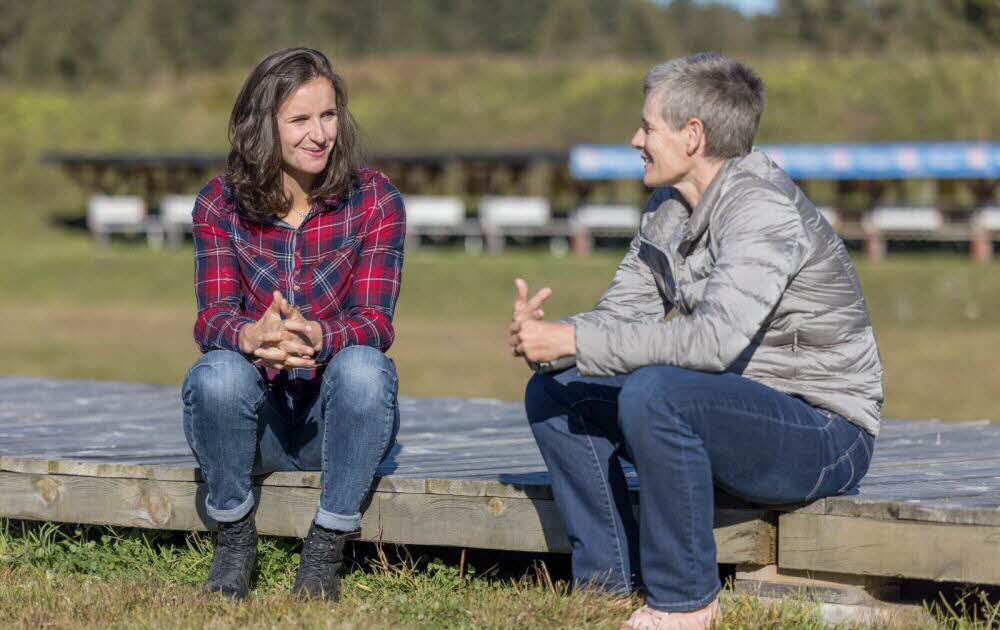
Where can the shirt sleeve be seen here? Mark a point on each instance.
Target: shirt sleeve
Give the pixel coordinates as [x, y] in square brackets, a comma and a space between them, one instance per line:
[375, 282]
[761, 247]
[216, 280]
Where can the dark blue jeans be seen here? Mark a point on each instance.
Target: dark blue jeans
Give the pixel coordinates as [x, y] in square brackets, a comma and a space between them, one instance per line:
[685, 432]
[238, 426]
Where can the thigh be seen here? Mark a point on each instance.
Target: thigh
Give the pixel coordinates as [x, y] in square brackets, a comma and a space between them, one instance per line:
[593, 398]
[307, 429]
[763, 445]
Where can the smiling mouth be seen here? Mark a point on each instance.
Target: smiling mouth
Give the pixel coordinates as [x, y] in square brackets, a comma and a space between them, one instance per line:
[315, 152]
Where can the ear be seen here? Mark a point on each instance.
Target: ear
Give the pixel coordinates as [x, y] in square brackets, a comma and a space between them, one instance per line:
[695, 136]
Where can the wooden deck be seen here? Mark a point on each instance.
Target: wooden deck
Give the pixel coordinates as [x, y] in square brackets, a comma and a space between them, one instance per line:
[466, 472]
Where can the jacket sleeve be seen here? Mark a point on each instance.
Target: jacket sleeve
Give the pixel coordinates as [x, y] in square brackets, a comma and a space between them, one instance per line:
[375, 282]
[633, 294]
[760, 245]
[216, 280]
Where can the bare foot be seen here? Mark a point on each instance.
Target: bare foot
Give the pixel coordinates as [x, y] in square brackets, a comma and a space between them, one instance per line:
[646, 618]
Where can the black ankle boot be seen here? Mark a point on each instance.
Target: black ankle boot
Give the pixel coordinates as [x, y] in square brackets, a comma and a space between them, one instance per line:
[322, 555]
[235, 553]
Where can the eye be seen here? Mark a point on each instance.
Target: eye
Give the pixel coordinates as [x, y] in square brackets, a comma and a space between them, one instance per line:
[329, 114]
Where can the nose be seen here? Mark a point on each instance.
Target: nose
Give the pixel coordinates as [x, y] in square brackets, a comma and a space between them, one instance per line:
[316, 132]
[638, 139]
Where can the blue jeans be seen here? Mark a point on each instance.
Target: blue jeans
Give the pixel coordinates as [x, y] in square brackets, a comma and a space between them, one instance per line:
[685, 432]
[237, 426]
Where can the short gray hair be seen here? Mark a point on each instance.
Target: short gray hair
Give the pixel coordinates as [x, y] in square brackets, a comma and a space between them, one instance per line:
[725, 95]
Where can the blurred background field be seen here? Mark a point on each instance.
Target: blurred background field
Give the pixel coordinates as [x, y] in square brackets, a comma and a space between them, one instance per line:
[127, 313]
[150, 76]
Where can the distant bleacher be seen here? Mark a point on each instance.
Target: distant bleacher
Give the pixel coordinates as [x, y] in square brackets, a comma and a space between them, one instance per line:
[577, 198]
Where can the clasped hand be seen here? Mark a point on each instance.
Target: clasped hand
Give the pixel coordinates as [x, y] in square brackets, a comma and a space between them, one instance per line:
[282, 338]
[532, 338]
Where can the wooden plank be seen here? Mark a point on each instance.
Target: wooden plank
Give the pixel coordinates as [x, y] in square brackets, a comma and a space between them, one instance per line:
[742, 536]
[910, 549]
[963, 511]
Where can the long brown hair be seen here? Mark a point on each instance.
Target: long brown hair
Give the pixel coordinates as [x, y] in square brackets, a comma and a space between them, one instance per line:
[254, 166]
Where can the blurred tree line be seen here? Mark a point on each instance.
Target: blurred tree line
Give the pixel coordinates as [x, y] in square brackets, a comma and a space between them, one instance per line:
[127, 41]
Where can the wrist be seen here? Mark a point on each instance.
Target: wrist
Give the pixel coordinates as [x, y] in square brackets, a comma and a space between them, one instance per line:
[569, 344]
[316, 336]
[245, 339]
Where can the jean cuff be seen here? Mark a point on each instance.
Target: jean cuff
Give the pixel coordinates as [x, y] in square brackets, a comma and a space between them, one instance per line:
[339, 522]
[687, 606]
[232, 514]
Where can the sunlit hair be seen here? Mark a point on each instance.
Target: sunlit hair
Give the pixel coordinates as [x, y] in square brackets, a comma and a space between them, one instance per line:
[254, 166]
[725, 95]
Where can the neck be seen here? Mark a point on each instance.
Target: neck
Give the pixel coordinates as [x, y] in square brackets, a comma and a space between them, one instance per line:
[692, 186]
[298, 186]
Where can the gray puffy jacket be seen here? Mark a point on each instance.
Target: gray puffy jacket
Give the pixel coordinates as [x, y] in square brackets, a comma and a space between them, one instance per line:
[762, 285]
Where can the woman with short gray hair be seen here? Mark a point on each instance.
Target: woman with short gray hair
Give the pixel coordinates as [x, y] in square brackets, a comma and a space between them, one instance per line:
[767, 383]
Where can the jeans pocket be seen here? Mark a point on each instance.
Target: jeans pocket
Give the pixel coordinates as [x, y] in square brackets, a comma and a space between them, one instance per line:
[845, 473]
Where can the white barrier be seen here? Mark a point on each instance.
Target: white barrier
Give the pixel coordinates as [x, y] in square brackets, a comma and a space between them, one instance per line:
[606, 217]
[501, 217]
[916, 219]
[175, 213]
[425, 211]
[987, 218]
[439, 216]
[121, 214]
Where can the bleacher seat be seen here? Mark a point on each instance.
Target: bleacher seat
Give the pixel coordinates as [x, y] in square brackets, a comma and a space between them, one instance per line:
[439, 216]
[607, 220]
[914, 220]
[501, 217]
[175, 213]
[987, 218]
[614, 219]
[121, 214]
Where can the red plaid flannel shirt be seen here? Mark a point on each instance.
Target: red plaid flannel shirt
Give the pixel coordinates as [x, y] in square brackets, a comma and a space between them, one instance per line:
[342, 267]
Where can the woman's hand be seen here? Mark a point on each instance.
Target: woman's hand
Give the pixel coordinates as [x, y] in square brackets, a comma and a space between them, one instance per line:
[307, 331]
[539, 341]
[272, 343]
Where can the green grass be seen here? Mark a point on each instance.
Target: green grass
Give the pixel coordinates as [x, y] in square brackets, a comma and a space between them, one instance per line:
[65, 576]
[126, 314]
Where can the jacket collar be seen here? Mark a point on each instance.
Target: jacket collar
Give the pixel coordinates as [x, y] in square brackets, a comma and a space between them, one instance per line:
[702, 213]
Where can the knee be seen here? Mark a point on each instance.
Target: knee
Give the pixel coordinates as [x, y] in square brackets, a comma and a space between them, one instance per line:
[219, 374]
[362, 371]
[650, 395]
[540, 405]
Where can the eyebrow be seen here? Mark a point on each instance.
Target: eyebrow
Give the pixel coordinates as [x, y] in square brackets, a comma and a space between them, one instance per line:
[305, 115]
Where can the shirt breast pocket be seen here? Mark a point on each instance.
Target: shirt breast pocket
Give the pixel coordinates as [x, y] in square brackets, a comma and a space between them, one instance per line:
[260, 274]
[331, 278]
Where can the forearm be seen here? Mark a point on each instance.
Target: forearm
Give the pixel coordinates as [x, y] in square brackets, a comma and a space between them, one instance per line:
[369, 326]
[219, 328]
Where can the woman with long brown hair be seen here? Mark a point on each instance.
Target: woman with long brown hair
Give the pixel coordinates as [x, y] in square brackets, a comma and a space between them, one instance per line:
[298, 254]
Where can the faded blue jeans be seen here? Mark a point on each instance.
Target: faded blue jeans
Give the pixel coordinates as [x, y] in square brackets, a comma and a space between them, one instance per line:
[686, 432]
[238, 426]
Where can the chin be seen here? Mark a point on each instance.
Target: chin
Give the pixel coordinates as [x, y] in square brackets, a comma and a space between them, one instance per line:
[654, 181]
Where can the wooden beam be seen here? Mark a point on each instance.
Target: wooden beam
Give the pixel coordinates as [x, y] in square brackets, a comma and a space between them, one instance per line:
[508, 523]
[910, 549]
